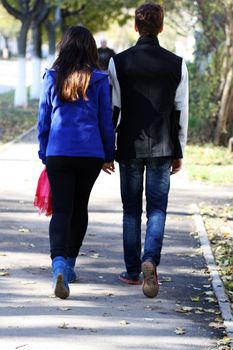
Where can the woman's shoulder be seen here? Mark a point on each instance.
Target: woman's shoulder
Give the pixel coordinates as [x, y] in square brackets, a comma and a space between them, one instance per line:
[49, 72]
[97, 76]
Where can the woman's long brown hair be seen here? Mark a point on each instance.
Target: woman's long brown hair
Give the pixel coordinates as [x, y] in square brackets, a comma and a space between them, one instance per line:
[76, 59]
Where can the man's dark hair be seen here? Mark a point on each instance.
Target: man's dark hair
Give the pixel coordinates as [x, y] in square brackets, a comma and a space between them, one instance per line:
[149, 19]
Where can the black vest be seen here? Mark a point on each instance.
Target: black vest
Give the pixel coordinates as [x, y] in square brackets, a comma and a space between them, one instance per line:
[148, 76]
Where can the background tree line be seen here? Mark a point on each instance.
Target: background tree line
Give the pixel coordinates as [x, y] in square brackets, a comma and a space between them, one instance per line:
[211, 72]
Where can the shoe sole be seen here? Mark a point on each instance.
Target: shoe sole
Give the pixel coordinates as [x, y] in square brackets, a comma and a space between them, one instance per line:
[60, 290]
[128, 281]
[150, 286]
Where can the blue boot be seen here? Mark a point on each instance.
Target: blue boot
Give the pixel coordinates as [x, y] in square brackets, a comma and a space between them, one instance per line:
[72, 277]
[60, 280]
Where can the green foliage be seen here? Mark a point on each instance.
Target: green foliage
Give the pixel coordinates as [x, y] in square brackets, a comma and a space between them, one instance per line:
[95, 14]
[202, 107]
[9, 26]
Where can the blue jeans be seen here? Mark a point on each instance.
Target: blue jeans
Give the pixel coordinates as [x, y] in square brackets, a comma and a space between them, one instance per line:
[157, 185]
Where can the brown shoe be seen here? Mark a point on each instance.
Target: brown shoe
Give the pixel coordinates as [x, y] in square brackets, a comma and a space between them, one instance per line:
[150, 286]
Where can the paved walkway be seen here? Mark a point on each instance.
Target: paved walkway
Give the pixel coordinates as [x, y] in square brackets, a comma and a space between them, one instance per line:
[101, 313]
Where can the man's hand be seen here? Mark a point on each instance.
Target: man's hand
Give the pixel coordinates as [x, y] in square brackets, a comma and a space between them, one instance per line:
[108, 168]
[176, 166]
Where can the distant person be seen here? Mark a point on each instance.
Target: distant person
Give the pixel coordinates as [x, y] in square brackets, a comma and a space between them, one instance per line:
[150, 88]
[76, 140]
[104, 55]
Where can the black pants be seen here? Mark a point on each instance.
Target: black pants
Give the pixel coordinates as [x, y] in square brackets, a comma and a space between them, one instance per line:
[71, 180]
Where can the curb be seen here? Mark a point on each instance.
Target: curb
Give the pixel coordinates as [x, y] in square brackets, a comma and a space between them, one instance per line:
[18, 138]
[216, 280]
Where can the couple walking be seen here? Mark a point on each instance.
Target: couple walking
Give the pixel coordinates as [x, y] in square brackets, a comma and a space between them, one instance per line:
[77, 126]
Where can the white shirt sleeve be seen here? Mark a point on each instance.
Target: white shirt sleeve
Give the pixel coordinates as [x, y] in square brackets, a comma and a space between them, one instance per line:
[181, 104]
[116, 91]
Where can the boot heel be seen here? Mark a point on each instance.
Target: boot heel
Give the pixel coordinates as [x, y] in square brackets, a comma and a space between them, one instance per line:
[60, 290]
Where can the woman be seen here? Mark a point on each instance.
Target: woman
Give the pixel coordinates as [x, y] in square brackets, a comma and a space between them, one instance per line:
[76, 139]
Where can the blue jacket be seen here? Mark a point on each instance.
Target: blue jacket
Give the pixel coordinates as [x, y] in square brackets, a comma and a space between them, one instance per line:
[80, 128]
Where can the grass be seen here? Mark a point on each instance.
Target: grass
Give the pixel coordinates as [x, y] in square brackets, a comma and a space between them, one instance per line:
[209, 163]
[15, 120]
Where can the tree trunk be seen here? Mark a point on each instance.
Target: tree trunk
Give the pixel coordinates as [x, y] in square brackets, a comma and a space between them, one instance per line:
[225, 112]
[36, 61]
[225, 94]
[20, 98]
[51, 30]
[51, 26]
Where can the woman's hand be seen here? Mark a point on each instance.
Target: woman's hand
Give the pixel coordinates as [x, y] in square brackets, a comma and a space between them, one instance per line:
[108, 168]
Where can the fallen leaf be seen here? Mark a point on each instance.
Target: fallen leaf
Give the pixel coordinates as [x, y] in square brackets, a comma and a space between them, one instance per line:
[195, 233]
[183, 309]
[213, 311]
[216, 325]
[211, 300]
[108, 294]
[64, 308]
[95, 256]
[218, 319]
[166, 279]
[209, 293]
[150, 307]
[199, 312]
[224, 341]
[20, 346]
[64, 326]
[107, 314]
[3, 254]
[24, 230]
[124, 322]
[196, 299]
[4, 272]
[92, 330]
[179, 330]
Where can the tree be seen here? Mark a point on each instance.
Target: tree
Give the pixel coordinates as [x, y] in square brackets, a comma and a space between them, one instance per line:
[225, 93]
[36, 25]
[24, 11]
[214, 27]
[8, 27]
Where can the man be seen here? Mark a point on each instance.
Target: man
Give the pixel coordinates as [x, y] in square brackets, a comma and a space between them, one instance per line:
[104, 55]
[150, 89]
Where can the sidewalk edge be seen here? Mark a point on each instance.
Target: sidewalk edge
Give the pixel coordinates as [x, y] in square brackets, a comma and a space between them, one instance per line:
[18, 138]
[216, 280]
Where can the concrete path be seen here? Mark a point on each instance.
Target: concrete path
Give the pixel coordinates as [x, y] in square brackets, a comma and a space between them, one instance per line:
[101, 313]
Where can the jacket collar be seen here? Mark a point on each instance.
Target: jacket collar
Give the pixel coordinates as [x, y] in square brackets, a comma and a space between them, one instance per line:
[148, 39]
